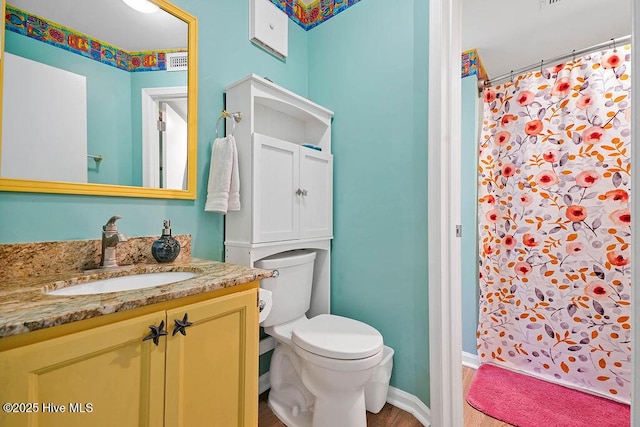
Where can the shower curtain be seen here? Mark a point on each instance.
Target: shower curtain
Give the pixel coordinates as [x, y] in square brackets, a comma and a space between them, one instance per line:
[554, 224]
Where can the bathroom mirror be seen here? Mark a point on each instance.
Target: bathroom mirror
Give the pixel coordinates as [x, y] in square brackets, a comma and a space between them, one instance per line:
[112, 108]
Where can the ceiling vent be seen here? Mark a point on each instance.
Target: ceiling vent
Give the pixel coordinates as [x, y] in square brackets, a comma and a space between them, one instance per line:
[177, 61]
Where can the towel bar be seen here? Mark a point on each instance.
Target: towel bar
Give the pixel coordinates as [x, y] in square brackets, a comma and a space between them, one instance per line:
[237, 117]
[97, 157]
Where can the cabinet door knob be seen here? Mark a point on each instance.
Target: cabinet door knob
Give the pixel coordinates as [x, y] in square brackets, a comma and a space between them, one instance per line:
[181, 325]
[304, 192]
[299, 192]
[156, 333]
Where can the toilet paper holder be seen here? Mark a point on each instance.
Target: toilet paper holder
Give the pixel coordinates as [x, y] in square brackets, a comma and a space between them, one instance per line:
[262, 304]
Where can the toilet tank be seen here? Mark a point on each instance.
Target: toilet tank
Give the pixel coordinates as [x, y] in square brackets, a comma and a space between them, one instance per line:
[291, 289]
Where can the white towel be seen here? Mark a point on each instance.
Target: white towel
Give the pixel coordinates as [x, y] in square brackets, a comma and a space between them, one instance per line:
[224, 179]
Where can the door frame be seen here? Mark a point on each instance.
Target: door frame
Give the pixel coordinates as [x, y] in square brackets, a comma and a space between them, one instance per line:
[444, 145]
[149, 98]
[635, 211]
[445, 319]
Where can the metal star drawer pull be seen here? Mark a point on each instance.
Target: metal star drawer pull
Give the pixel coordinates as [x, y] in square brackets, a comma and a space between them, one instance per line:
[156, 333]
[181, 325]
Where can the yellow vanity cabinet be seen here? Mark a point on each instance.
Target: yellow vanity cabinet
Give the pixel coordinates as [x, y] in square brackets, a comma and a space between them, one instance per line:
[212, 371]
[108, 376]
[108, 368]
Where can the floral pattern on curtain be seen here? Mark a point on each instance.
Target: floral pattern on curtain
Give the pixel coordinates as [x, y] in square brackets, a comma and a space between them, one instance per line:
[554, 224]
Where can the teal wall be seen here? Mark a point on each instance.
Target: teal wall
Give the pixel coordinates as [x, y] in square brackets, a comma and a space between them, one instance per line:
[469, 167]
[369, 65]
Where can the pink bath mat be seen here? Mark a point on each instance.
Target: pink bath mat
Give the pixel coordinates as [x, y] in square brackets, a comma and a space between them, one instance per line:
[525, 401]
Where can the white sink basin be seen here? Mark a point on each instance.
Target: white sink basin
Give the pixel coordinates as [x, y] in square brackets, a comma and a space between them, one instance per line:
[124, 283]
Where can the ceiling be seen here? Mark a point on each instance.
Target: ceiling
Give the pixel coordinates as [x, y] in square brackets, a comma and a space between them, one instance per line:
[113, 22]
[512, 34]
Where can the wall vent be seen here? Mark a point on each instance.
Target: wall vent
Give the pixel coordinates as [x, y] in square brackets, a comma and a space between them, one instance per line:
[545, 3]
[177, 61]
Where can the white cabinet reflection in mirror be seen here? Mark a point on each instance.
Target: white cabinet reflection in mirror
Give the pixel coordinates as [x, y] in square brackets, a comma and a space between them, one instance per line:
[44, 132]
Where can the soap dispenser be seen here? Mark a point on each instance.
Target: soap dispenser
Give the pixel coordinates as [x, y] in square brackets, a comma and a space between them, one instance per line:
[166, 248]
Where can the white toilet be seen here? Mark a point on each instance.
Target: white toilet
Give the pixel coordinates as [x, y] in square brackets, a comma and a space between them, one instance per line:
[321, 365]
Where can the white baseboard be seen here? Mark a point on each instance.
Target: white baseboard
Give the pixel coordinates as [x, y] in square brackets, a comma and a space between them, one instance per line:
[395, 396]
[410, 403]
[470, 360]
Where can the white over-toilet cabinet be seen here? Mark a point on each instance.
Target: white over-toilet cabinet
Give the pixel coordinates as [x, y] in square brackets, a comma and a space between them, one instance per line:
[291, 191]
[286, 189]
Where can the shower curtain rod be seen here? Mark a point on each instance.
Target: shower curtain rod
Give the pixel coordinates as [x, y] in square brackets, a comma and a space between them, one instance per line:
[621, 41]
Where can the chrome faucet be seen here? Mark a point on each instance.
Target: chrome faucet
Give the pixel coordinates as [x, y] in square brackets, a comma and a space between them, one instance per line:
[110, 239]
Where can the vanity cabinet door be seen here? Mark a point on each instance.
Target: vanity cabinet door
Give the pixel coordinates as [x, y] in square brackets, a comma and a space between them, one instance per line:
[106, 376]
[212, 370]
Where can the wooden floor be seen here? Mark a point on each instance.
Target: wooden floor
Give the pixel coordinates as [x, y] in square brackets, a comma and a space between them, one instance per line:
[390, 416]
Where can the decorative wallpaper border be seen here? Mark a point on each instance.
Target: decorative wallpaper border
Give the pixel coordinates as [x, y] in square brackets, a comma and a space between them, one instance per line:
[313, 14]
[307, 16]
[472, 65]
[38, 28]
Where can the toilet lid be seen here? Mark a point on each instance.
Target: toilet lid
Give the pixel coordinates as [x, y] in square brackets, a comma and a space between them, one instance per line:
[337, 337]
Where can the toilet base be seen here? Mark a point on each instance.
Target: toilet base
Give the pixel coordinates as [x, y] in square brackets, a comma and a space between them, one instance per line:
[346, 411]
[285, 414]
[289, 399]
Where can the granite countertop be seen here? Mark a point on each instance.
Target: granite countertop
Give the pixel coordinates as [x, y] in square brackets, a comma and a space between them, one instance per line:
[24, 307]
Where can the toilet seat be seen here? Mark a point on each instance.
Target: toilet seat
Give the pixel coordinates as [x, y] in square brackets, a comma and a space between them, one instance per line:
[344, 365]
[337, 337]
